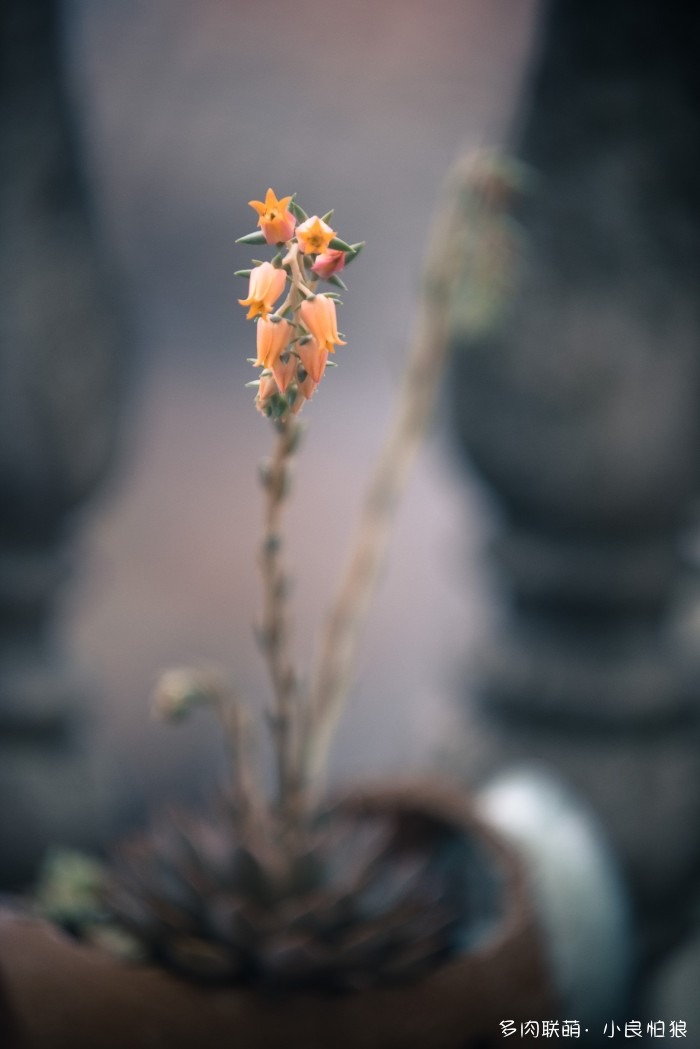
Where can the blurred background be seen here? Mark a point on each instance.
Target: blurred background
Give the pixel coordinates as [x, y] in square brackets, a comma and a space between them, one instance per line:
[133, 136]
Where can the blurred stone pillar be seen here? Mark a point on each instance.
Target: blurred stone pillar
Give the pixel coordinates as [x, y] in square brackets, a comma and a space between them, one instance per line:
[581, 409]
[60, 379]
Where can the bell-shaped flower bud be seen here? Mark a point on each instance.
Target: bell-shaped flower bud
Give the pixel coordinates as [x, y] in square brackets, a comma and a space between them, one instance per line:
[284, 370]
[319, 317]
[313, 356]
[305, 391]
[272, 338]
[267, 393]
[266, 284]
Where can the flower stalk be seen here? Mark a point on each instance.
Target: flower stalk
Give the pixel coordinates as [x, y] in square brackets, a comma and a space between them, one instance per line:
[274, 633]
[293, 343]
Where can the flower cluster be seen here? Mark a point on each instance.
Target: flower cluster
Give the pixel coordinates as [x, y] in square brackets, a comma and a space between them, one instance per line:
[294, 338]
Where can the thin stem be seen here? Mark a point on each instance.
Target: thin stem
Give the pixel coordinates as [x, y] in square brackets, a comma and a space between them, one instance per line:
[274, 630]
[298, 280]
[182, 690]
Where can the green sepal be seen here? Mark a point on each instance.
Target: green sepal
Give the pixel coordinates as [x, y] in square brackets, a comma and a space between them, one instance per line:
[328, 216]
[242, 273]
[354, 251]
[278, 407]
[339, 245]
[337, 282]
[297, 211]
[272, 544]
[257, 237]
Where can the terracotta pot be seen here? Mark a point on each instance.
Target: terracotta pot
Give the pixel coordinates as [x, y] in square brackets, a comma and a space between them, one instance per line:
[56, 993]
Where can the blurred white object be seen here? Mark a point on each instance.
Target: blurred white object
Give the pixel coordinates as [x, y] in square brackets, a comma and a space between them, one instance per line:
[578, 890]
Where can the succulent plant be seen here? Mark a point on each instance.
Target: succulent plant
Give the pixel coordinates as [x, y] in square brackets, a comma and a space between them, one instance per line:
[271, 890]
[369, 893]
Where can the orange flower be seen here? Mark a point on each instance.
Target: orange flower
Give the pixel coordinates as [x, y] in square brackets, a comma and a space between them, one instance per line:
[318, 315]
[272, 338]
[265, 287]
[284, 370]
[274, 219]
[330, 262]
[306, 390]
[313, 356]
[267, 391]
[314, 235]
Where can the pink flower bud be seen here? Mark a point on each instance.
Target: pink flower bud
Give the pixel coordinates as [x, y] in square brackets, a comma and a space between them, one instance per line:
[332, 261]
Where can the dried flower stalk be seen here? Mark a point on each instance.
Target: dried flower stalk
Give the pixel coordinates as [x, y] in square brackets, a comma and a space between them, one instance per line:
[425, 368]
